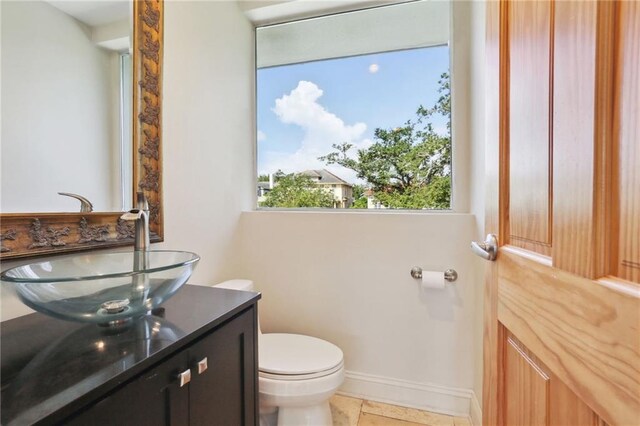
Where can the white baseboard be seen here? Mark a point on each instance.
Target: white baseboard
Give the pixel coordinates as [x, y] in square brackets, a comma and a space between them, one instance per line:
[476, 410]
[435, 398]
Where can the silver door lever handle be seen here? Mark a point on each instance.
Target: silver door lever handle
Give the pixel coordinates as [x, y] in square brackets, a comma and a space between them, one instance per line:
[487, 250]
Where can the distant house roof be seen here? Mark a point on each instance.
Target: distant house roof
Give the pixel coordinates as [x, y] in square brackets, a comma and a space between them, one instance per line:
[324, 176]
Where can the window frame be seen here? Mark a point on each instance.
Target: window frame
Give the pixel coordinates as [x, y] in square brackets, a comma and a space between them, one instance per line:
[459, 71]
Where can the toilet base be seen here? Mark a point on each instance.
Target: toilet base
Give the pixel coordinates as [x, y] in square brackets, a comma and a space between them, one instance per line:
[314, 415]
[300, 402]
[268, 416]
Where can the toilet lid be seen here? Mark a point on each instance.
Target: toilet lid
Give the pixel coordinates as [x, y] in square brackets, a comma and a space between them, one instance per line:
[295, 354]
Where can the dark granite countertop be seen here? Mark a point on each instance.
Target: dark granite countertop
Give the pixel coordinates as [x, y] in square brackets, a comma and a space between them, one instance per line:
[51, 368]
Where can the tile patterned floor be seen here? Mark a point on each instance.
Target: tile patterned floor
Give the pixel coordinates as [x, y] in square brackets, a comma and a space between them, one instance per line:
[348, 411]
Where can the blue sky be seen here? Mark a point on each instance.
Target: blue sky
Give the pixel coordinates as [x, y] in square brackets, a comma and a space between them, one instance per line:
[302, 109]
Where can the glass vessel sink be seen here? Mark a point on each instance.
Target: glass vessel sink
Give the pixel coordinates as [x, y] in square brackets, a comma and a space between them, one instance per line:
[103, 288]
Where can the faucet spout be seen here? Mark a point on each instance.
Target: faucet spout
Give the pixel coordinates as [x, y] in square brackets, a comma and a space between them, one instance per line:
[85, 204]
[140, 215]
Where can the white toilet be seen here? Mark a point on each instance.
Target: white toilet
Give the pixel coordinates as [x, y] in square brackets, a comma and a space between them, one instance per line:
[298, 375]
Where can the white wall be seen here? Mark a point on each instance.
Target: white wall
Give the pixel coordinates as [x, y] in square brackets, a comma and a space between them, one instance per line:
[209, 131]
[60, 88]
[345, 277]
[476, 28]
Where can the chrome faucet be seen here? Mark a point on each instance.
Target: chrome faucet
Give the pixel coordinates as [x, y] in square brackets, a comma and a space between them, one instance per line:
[85, 204]
[141, 217]
[140, 281]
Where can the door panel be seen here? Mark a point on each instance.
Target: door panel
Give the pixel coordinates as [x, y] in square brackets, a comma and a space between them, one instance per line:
[628, 126]
[568, 409]
[546, 399]
[530, 82]
[586, 334]
[527, 386]
[562, 301]
[574, 138]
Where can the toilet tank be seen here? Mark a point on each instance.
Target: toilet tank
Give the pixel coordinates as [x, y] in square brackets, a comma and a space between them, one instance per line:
[244, 285]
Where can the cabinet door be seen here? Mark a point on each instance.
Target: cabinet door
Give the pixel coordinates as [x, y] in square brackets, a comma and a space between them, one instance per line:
[226, 393]
[153, 399]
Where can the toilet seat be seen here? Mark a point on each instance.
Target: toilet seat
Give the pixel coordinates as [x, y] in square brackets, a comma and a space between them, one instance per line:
[297, 357]
[292, 377]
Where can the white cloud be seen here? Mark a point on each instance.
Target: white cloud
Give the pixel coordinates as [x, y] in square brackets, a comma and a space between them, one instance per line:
[261, 136]
[373, 68]
[321, 129]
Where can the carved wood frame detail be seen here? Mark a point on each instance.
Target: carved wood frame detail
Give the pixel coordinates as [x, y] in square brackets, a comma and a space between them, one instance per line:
[40, 234]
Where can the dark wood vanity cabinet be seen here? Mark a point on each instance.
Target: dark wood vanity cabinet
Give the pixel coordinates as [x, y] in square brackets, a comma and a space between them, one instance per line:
[227, 392]
[222, 389]
[56, 372]
[153, 398]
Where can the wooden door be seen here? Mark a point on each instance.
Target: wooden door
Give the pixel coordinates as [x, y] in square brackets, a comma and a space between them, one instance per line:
[562, 299]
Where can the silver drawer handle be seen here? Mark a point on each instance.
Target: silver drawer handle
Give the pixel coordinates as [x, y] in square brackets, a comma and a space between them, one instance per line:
[184, 377]
[202, 365]
[487, 250]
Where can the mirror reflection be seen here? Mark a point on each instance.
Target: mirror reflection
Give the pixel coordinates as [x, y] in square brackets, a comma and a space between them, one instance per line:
[66, 105]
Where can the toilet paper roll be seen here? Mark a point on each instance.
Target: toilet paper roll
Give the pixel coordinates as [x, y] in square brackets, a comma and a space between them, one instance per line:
[432, 280]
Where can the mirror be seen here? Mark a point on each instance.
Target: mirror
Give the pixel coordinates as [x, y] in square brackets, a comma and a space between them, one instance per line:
[81, 116]
[67, 92]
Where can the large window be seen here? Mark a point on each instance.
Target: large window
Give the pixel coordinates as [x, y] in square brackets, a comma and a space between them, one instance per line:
[353, 110]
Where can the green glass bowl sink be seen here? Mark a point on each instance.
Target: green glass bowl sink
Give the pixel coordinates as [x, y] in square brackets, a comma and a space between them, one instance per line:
[103, 288]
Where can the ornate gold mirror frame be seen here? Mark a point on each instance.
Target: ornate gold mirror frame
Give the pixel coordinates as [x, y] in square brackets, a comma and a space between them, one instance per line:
[39, 234]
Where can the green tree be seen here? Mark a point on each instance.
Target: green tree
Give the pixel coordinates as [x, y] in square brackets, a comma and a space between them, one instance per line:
[359, 199]
[276, 176]
[409, 166]
[295, 190]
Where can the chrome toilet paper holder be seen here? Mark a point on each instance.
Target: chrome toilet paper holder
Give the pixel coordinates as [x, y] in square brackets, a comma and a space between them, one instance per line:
[450, 274]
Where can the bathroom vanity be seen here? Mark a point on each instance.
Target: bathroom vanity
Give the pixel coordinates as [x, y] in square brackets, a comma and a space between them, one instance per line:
[192, 361]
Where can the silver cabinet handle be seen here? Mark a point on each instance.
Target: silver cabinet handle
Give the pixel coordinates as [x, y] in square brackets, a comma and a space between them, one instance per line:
[487, 250]
[184, 377]
[202, 365]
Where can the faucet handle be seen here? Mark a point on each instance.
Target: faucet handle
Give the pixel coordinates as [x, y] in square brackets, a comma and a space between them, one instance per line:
[141, 218]
[133, 214]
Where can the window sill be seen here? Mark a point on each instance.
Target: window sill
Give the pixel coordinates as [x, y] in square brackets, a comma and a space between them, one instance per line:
[356, 212]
